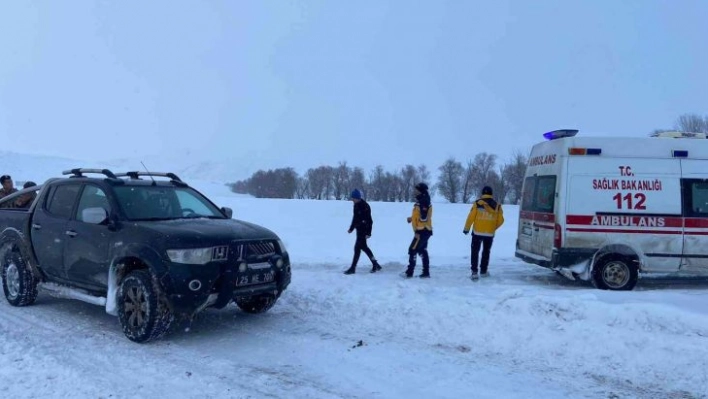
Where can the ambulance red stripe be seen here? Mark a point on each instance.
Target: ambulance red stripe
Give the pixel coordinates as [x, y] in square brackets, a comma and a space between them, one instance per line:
[626, 231]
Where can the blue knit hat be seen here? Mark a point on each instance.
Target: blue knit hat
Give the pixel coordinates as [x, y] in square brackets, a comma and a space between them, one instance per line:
[356, 194]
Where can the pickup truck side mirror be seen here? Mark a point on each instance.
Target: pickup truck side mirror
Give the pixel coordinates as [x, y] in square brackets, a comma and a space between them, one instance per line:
[96, 215]
[228, 212]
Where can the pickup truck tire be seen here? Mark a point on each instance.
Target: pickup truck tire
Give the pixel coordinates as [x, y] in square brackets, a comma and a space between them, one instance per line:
[18, 283]
[142, 310]
[256, 304]
[615, 272]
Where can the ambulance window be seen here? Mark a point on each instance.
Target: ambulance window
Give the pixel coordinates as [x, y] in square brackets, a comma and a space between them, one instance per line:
[545, 194]
[699, 199]
[527, 195]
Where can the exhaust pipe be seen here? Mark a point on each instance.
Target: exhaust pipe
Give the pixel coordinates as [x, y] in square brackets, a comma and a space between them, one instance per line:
[195, 285]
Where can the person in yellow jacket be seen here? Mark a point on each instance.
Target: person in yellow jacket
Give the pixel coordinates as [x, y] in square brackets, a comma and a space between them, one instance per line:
[486, 216]
[422, 221]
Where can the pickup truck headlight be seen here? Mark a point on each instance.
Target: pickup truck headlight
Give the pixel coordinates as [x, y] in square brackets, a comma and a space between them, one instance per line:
[196, 256]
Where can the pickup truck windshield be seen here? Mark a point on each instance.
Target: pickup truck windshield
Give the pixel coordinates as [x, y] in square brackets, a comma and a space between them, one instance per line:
[164, 203]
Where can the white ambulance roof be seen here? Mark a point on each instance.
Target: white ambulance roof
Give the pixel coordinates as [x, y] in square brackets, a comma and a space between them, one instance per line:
[631, 147]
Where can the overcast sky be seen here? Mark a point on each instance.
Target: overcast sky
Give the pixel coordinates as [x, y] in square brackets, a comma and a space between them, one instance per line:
[312, 82]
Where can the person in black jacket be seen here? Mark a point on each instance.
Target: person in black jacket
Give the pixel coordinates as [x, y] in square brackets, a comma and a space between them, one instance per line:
[362, 223]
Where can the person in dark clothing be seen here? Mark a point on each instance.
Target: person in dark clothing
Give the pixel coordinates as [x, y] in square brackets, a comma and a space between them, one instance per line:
[422, 221]
[362, 223]
[25, 200]
[8, 187]
[486, 216]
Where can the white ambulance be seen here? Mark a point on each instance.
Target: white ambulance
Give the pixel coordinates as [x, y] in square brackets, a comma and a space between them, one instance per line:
[606, 209]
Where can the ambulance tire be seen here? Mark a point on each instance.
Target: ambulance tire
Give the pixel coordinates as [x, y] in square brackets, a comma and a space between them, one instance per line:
[615, 272]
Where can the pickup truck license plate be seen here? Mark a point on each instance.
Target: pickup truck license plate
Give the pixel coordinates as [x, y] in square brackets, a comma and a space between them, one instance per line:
[257, 278]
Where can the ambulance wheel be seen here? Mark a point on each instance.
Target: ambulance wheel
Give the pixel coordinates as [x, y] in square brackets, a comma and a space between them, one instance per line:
[615, 272]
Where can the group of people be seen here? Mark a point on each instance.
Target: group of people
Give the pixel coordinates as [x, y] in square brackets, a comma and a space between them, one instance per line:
[8, 188]
[484, 218]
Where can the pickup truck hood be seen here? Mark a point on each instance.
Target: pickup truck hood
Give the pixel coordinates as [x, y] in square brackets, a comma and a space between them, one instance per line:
[209, 231]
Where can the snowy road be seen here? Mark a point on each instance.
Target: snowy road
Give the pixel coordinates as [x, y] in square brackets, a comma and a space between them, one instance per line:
[522, 333]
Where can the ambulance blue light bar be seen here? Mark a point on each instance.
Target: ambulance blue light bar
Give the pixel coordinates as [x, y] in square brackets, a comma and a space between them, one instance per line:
[680, 153]
[559, 134]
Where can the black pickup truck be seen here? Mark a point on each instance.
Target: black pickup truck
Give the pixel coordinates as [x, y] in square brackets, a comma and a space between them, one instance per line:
[149, 250]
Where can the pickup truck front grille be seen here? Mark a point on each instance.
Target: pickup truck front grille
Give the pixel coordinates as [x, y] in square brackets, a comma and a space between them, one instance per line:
[261, 248]
[256, 249]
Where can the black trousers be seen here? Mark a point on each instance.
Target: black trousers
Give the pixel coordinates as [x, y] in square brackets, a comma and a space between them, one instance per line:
[419, 246]
[360, 246]
[486, 244]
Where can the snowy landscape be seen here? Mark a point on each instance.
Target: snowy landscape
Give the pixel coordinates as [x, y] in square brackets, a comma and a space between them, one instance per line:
[524, 332]
[312, 97]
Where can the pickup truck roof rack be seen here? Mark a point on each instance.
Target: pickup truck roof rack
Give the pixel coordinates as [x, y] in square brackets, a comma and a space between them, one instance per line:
[136, 175]
[79, 172]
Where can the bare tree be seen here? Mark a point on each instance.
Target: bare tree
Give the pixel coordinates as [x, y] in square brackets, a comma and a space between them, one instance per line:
[320, 180]
[512, 174]
[479, 173]
[239, 187]
[358, 180]
[450, 180]
[423, 173]
[495, 180]
[303, 188]
[273, 183]
[377, 184]
[409, 177]
[692, 123]
[341, 180]
[396, 184]
[284, 182]
[467, 188]
[424, 177]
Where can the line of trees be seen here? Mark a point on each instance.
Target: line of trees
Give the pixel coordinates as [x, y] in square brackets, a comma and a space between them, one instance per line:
[456, 182]
[459, 182]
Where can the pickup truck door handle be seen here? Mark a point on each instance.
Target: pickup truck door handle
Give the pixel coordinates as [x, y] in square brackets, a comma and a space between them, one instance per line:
[36, 226]
[71, 233]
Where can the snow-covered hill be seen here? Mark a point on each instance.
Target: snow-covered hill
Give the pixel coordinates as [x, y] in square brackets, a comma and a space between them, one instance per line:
[522, 333]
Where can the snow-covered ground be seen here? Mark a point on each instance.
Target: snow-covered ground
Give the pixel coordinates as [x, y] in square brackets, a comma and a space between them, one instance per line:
[522, 333]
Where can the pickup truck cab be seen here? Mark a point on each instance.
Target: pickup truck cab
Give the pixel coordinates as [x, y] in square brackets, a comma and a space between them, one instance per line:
[148, 250]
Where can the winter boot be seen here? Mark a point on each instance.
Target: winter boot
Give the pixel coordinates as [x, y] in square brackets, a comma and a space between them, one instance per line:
[351, 270]
[474, 276]
[376, 267]
[485, 274]
[426, 272]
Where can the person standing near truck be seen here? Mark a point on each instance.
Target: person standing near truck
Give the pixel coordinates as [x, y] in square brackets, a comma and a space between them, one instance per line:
[8, 187]
[25, 200]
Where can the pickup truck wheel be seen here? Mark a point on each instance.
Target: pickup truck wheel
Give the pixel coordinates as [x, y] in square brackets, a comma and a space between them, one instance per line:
[142, 309]
[615, 272]
[256, 304]
[19, 284]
